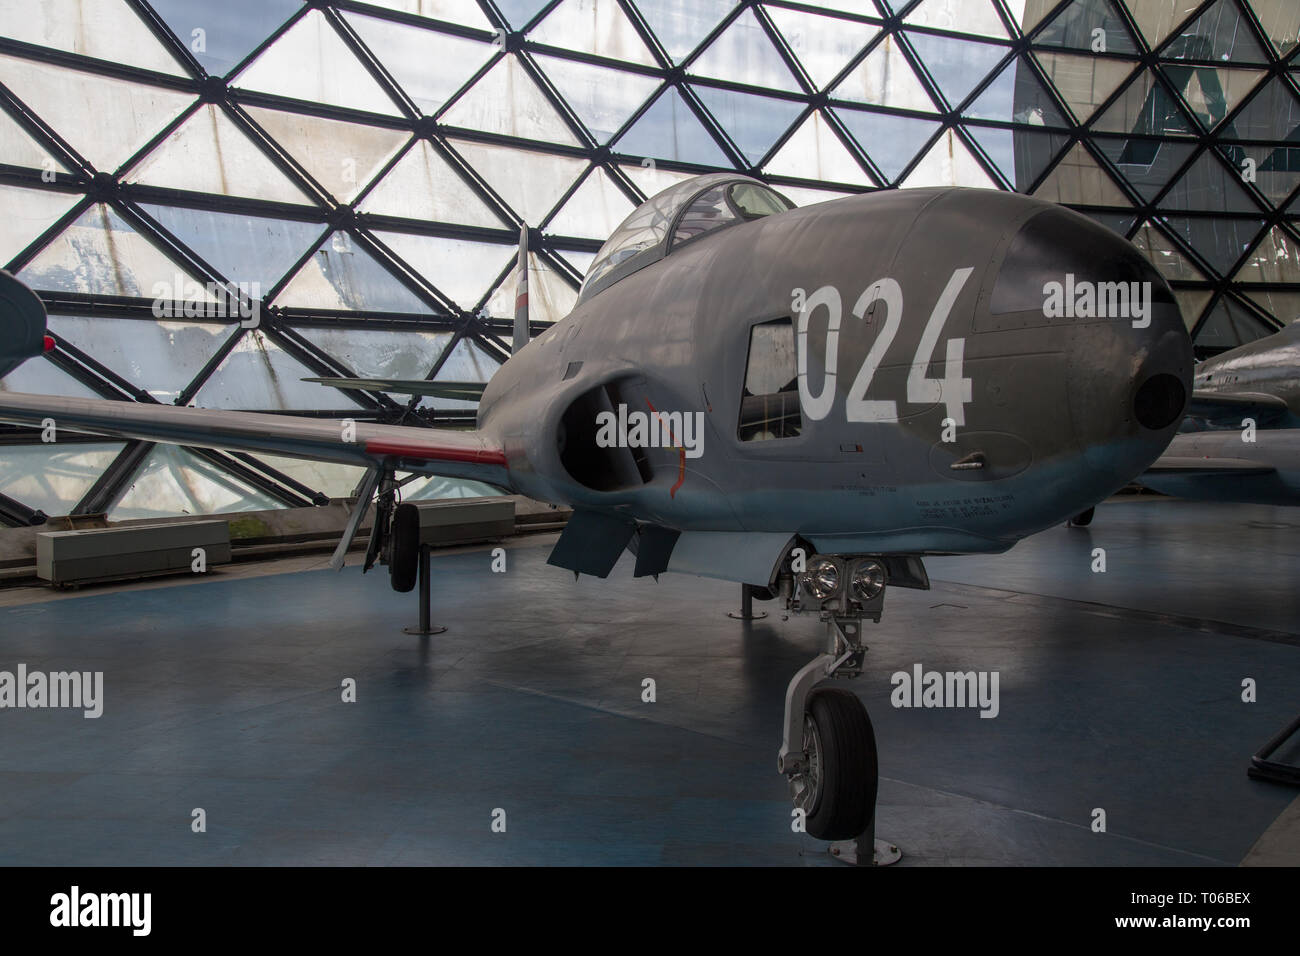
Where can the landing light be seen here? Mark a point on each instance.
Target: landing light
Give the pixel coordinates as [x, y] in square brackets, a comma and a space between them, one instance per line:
[822, 579]
[868, 580]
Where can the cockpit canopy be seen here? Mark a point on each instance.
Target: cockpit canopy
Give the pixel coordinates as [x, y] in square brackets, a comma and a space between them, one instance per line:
[675, 216]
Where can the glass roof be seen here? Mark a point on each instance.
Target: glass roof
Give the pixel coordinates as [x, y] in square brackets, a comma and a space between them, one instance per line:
[362, 170]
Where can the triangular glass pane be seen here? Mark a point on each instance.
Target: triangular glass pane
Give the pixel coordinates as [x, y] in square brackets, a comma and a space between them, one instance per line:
[17, 148]
[467, 12]
[381, 354]
[519, 12]
[651, 180]
[462, 271]
[1275, 260]
[1017, 96]
[581, 261]
[1020, 155]
[681, 25]
[744, 53]
[885, 78]
[40, 376]
[505, 100]
[594, 211]
[106, 29]
[430, 67]
[957, 66]
[890, 141]
[1145, 108]
[550, 297]
[1165, 256]
[311, 62]
[174, 481]
[802, 196]
[260, 376]
[1212, 92]
[822, 45]
[329, 478]
[602, 98]
[208, 153]
[1283, 306]
[1030, 13]
[670, 130]
[1075, 28]
[815, 152]
[424, 186]
[1272, 114]
[466, 363]
[1209, 186]
[28, 214]
[53, 478]
[1220, 242]
[949, 163]
[101, 254]
[1276, 170]
[977, 17]
[753, 122]
[597, 27]
[1148, 165]
[106, 119]
[160, 357]
[342, 157]
[1228, 325]
[241, 248]
[1083, 82]
[221, 35]
[1078, 180]
[1117, 223]
[1221, 34]
[1192, 303]
[1281, 22]
[342, 276]
[529, 182]
[1157, 18]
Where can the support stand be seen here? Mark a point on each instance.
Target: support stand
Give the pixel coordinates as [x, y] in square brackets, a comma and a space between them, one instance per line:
[865, 849]
[1261, 768]
[424, 629]
[747, 606]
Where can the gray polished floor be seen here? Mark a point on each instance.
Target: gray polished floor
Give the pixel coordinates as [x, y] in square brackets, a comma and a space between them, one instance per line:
[1119, 691]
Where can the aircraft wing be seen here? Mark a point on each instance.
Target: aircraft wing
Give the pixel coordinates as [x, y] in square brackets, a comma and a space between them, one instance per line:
[466, 391]
[1222, 410]
[446, 452]
[1207, 467]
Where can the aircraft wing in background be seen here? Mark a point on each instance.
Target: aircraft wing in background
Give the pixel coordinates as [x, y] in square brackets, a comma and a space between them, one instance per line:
[1225, 410]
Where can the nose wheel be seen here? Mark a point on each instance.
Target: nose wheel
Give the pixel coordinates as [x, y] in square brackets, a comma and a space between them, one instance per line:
[836, 788]
[829, 752]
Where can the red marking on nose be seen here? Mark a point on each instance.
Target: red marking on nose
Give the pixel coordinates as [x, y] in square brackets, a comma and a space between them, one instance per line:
[49, 343]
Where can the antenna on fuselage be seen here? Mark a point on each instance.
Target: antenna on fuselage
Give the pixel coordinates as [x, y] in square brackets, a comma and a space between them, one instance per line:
[521, 294]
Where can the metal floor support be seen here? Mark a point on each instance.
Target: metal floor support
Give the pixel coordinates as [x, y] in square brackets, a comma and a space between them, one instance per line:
[227, 694]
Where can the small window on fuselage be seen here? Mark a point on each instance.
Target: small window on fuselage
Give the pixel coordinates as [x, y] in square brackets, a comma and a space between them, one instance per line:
[769, 404]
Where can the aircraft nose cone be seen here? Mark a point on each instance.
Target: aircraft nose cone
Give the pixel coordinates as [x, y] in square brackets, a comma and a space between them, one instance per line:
[1128, 355]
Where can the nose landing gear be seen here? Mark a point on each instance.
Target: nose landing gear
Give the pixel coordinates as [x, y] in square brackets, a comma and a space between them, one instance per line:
[828, 750]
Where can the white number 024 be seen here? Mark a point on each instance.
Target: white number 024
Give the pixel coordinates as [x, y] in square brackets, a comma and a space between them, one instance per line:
[953, 390]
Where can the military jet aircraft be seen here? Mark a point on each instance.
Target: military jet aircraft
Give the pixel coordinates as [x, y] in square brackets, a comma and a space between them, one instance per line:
[22, 325]
[1241, 439]
[807, 401]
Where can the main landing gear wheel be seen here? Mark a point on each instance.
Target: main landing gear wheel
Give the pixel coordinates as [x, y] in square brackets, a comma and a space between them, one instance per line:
[1082, 519]
[837, 791]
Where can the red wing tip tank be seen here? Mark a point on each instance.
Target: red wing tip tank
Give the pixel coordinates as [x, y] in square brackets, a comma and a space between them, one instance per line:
[806, 401]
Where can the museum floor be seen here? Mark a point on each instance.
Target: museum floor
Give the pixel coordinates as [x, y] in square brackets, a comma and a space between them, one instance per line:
[1119, 691]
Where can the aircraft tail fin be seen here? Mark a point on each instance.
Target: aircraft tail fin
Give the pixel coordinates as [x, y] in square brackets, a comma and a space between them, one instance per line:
[22, 324]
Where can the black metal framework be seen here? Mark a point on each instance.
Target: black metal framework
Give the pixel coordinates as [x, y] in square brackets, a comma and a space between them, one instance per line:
[1069, 134]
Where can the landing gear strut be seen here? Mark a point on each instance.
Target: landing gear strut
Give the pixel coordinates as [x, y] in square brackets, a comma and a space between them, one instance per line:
[828, 751]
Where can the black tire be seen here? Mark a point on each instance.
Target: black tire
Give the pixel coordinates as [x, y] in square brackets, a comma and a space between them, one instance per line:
[762, 594]
[846, 797]
[1083, 518]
